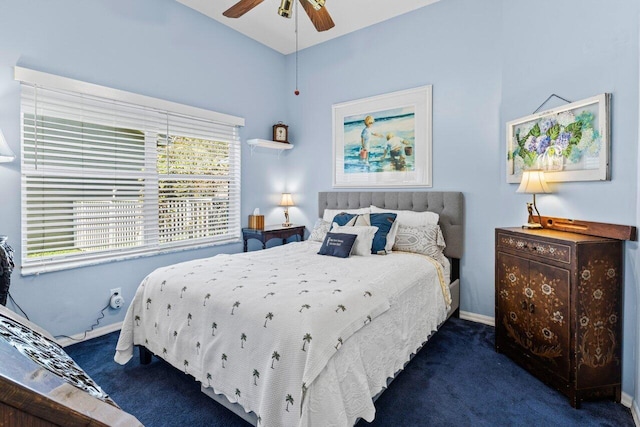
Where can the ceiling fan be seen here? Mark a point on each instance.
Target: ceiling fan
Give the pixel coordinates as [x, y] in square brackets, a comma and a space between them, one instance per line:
[315, 10]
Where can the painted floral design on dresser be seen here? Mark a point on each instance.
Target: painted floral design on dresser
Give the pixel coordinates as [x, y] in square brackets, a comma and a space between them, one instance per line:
[534, 315]
[597, 314]
[548, 250]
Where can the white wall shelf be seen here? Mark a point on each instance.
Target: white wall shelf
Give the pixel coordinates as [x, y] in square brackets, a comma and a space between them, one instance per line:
[264, 143]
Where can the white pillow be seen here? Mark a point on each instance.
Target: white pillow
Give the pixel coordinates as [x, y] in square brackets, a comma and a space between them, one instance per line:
[329, 214]
[391, 235]
[320, 230]
[410, 218]
[364, 241]
[425, 240]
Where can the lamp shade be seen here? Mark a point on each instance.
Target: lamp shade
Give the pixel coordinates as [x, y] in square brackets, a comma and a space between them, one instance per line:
[286, 200]
[533, 182]
[6, 155]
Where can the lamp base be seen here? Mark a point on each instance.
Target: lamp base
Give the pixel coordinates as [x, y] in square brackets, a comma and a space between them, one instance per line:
[532, 225]
[286, 222]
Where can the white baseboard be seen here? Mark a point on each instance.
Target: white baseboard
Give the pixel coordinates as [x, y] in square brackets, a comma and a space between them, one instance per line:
[635, 413]
[98, 332]
[626, 399]
[478, 318]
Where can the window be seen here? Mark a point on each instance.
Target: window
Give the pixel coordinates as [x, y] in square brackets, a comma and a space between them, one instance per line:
[106, 179]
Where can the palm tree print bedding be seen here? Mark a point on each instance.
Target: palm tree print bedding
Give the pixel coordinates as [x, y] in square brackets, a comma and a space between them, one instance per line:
[242, 324]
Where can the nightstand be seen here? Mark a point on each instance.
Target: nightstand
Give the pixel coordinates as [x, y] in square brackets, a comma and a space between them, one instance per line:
[272, 232]
[559, 309]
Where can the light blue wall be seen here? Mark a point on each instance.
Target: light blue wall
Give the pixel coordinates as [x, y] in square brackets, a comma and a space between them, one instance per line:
[157, 48]
[489, 62]
[598, 54]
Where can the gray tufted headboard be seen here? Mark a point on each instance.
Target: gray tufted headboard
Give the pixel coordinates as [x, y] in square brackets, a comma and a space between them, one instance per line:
[448, 204]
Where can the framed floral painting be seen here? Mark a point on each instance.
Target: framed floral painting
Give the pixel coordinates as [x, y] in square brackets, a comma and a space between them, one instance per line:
[384, 140]
[569, 143]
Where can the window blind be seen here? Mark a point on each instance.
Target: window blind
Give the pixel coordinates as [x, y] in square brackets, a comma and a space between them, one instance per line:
[104, 179]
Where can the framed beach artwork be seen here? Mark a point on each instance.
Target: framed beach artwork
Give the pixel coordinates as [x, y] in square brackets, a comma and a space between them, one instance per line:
[384, 140]
[569, 143]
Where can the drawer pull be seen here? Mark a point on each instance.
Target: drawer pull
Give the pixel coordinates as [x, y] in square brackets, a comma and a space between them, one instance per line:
[532, 308]
[524, 305]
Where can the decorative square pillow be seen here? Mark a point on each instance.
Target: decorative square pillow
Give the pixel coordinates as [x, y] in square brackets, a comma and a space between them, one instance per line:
[344, 218]
[320, 230]
[365, 237]
[410, 218]
[384, 222]
[425, 240]
[338, 245]
[329, 214]
[391, 237]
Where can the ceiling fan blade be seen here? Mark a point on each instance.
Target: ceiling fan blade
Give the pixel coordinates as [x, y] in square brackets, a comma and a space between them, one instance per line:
[240, 8]
[320, 18]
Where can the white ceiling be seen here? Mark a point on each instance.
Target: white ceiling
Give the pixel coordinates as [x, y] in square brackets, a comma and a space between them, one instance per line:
[263, 23]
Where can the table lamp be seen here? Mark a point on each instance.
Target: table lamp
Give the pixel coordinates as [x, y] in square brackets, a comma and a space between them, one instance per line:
[6, 155]
[286, 201]
[533, 182]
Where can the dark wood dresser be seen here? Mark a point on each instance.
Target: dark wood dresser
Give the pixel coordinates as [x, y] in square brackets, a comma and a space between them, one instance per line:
[558, 309]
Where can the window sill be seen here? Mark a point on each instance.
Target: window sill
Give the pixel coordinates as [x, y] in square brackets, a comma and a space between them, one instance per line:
[35, 268]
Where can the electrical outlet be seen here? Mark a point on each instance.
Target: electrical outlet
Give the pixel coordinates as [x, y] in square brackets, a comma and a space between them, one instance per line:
[116, 300]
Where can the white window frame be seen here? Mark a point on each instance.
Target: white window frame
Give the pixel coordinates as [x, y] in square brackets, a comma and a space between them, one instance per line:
[38, 265]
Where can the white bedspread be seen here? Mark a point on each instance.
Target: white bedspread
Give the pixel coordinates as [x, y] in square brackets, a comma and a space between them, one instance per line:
[260, 327]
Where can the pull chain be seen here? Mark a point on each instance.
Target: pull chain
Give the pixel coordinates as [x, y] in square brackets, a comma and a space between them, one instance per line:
[296, 92]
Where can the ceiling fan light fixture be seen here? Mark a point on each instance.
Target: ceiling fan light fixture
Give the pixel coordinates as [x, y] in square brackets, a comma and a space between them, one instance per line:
[317, 4]
[286, 8]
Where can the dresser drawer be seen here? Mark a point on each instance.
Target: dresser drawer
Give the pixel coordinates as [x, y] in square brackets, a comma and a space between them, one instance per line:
[550, 250]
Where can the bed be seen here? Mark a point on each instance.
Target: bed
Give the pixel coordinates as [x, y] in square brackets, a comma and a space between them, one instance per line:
[287, 337]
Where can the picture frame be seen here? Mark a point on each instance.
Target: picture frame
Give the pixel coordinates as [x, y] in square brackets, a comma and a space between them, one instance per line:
[569, 143]
[392, 149]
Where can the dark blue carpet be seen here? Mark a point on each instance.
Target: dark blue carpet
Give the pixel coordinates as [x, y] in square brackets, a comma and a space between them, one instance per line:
[456, 380]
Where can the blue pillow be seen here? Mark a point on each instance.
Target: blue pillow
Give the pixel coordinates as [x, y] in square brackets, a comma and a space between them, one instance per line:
[338, 244]
[343, 218]
[383, 221]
